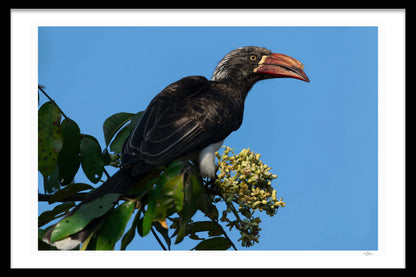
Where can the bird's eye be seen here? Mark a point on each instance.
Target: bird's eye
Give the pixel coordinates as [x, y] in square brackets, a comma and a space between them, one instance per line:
[253, 58]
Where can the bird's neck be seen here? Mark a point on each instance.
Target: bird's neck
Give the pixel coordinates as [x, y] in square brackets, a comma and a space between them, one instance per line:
[239, 85]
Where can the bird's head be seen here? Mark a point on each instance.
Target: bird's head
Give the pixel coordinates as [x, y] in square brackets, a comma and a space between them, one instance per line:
[247, 65]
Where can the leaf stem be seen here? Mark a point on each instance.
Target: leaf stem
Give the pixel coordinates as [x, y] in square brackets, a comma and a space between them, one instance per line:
[230, 204]
[157, 238]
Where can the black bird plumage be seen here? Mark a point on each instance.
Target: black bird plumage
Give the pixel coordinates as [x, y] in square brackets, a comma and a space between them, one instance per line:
[189, 118]
[177, 122]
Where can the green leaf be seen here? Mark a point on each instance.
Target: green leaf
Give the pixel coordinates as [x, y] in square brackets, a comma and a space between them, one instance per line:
[163, 205]
[212, 211]
[68, 191]
[165, 194]
[167, 191]
[105, 156]
[188, 211]
[122, 135]
[140, 226]
[148, 216]
[52, 181]
[135, 118]
[204, 226]
[194, 200]
[218, 243]
[129, 235]
[173, 189]
[69, 158]
[147, 182]
[91, 158]
[118, 142]
[57, 212]
[174, 168]
[113, 226]
[50, 138]
[198, 191]
[84, 215]
[113, 124]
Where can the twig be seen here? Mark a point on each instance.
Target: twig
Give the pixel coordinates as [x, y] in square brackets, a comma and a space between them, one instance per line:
[219, 225]
[106, 173]
[50, 99]
[157, 238]
[230, 204]
[217, 191]
[225, 234]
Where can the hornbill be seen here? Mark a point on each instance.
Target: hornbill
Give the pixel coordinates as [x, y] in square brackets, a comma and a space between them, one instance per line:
[190, 119]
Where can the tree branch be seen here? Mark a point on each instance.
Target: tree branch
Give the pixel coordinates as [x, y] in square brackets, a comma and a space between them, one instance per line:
[50, 99]
[75, 197]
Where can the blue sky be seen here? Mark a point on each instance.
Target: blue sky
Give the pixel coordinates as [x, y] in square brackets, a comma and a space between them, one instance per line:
[320, 138]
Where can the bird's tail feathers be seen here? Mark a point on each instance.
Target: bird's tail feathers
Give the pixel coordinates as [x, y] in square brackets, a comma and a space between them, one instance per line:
[121, 182]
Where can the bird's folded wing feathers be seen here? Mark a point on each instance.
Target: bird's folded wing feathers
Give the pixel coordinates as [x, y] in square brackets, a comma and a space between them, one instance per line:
[177, 123]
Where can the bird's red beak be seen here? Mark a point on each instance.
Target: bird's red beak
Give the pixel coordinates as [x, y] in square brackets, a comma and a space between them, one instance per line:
[281, 66]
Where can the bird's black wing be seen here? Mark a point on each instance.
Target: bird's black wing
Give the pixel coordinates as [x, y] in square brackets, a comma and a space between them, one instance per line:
[185, 117]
